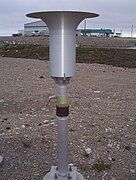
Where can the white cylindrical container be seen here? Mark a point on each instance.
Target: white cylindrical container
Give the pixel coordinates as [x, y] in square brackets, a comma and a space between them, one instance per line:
[62, 27]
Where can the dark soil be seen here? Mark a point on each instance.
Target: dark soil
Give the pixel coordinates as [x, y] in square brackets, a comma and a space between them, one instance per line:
[116, 57]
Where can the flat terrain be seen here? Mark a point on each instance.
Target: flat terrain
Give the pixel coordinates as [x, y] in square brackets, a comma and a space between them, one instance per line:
[96, 42]
[103, 118]
[119, 52]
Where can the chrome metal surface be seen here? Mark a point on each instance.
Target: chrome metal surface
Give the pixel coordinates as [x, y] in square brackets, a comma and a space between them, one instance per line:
[62, 145]
[62, 27]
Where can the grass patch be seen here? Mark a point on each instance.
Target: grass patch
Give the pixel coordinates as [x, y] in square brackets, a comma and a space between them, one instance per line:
[125, 58]
[28, 51]
[101, 166]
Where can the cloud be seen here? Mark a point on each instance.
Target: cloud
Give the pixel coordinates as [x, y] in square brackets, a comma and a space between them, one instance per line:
[113, 14]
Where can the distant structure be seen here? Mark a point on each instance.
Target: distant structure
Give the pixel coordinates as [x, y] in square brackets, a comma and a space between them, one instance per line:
[97, 32]
[39, 28]
[132, 28]
[118, 34]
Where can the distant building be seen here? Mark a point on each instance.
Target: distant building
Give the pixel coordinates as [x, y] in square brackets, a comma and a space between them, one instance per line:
[78, 32]
[21, 32]
[39, 28]
[97, 32]
[36, 28]
[118, 34]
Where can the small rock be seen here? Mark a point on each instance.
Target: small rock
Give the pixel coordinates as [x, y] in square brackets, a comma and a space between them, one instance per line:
[8, 129]
[132, 171]
[127, 148]
[111, 159]
[88, 152]
[132, 119]
[46, 122]
[108, 129]
[109, 145]
[26, 142]
[41, 77]
[39, 124]
[96, 91]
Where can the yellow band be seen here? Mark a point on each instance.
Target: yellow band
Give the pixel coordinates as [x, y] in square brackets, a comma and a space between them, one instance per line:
[62, 101]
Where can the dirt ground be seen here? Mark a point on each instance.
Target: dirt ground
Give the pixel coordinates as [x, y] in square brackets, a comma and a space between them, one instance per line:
[110, 56]
[96, 42]
[118, 52]
[102, 118]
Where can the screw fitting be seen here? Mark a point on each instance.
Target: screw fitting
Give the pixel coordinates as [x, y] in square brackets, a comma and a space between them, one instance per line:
[70, 168]
[55, 176]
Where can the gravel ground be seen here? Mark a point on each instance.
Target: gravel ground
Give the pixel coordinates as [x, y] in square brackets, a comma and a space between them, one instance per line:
[102, 137]
[97, 42]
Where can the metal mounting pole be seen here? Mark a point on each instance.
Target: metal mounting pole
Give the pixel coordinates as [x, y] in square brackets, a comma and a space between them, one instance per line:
[62, 112]
[63, 171]
[62, 26]
[63, 145]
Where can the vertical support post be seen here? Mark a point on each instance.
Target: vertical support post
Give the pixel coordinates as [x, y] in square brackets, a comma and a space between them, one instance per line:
[62, 145]
[132, 28]
[62, 25]
[62, 112]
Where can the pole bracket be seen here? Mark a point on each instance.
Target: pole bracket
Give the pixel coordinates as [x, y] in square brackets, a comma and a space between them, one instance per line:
[72, 174]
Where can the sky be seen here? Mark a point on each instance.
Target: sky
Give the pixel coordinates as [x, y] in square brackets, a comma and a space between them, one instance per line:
[114, 14]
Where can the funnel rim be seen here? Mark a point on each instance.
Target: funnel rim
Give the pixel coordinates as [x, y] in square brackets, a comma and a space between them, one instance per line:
[41, 13]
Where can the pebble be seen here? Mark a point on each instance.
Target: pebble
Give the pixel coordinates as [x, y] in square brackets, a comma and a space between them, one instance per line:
[132, 120]
[108, 129]
[88, 151]
[52, 123]
[109, 145]
[132, 171]
[110, 158]
[46, 122]
[1, 100]
[96, 91]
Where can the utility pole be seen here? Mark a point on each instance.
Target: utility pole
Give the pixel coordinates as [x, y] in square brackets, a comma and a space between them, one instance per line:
[85, 27]
[132, 28]
[113, 32]
[85, 24]
[121, 32]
